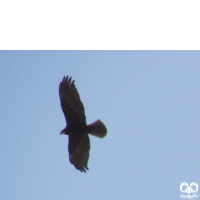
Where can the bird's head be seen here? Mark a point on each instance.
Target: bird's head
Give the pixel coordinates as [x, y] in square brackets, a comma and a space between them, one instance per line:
[65, 131]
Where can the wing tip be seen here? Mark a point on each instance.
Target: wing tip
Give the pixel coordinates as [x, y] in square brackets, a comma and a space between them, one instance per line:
[68, 79]
[79, 166]
[84, 169]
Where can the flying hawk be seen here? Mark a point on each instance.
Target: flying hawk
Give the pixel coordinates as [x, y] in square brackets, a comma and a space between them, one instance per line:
[76, 128]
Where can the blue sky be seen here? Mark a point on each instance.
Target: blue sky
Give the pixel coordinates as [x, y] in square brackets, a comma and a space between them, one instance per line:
[149, 101]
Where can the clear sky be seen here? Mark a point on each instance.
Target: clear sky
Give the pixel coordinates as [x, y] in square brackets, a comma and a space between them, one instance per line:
[149, 101]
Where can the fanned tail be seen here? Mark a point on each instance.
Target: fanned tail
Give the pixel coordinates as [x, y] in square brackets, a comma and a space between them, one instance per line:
[97, 129]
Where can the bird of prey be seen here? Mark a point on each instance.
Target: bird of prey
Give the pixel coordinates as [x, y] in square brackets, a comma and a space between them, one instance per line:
[76, 128]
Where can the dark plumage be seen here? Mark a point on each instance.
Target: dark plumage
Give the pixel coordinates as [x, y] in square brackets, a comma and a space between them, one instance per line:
[77, 129]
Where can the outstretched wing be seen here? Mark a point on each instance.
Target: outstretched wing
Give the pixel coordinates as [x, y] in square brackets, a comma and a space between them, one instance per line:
[71, 104]
[79, 147]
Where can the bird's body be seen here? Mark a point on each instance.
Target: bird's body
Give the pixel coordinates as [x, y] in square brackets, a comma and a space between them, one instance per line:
[77, 129]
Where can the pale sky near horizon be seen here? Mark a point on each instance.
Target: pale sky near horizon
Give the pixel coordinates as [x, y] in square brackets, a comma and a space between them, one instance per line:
[148, 100]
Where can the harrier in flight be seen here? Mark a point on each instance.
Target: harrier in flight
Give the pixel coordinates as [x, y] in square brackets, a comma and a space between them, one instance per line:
[77, 129]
